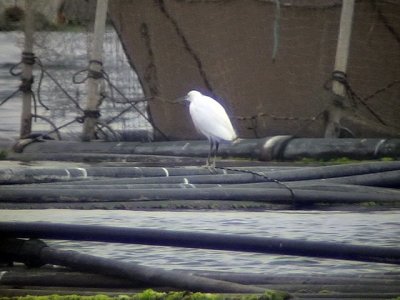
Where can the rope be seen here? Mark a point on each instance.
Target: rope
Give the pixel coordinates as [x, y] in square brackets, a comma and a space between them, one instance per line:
[386, 22]
[253, 119]
[39, 63]
[94, 73]
[101, 125]
[91, 73]
[26, 86]
[55, 129]
[9, 97]
[65, 92]
[341, 77]
[102, 74]
[274, 117]
[263, 175]
[94, 114]
[276, 29]
[133, 105]
[381, 90]
[28, 58]
[185, 43]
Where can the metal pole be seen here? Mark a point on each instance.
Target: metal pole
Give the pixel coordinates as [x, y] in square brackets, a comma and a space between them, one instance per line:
[332, 129]
[95, 67]
[26, 114]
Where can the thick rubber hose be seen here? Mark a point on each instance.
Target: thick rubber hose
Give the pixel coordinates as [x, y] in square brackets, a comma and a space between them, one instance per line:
[265, 148]
[231, 242]
[31, 175]
[127, 270]
[269, 195]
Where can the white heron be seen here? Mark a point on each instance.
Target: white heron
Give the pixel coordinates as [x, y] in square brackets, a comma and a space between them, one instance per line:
[210, 119]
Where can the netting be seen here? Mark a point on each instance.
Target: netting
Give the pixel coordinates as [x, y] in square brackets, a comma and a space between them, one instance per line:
[59, 55]
[269, 62]
[225, 49]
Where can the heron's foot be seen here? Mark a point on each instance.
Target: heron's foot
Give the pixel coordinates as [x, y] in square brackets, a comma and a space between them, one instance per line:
[210, 167]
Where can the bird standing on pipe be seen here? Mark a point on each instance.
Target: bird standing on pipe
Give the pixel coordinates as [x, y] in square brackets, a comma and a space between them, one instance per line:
[210, 119]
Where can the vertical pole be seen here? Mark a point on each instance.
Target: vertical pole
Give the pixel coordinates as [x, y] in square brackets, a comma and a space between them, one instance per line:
[26, 114]
[93, 86]
[343, 45]
[342, 54]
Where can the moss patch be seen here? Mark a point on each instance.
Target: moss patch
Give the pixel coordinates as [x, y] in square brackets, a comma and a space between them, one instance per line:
[153, 295]
[3, 154]
[338, 160]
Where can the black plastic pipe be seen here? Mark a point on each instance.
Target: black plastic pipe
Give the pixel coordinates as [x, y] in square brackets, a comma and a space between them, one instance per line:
[61, 277]
[191, 179]
[231, 242]
[374, 279]
[389, 179]
[269, 148]
[363, 148]
[85, 280]
[245, 148]
[316, 186]
[27, 175]
[20, 250]
[380, 179]
[91, 185]
[31, 175]
[333, 171]
[269, 195]
[114, 195]
[84, 157]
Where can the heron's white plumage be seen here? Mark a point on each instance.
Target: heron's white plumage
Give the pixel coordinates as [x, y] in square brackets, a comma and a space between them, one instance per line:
[210, 118]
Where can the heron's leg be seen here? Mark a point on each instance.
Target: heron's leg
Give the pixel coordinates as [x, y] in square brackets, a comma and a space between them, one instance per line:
[215, 153]
[210, 153]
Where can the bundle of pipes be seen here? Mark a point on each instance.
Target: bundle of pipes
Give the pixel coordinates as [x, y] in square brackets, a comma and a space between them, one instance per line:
[284, 185]
[35, 253]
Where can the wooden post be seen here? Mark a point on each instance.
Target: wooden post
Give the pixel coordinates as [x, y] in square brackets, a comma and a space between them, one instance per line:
[342, 54]
[26, 114]
[93, 86]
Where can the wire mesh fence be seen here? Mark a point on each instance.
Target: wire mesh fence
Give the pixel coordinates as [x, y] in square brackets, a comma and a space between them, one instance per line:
[267, 61]
[58, 100]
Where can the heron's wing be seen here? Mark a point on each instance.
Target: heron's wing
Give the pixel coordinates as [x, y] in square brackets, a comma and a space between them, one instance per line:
[210, 118]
